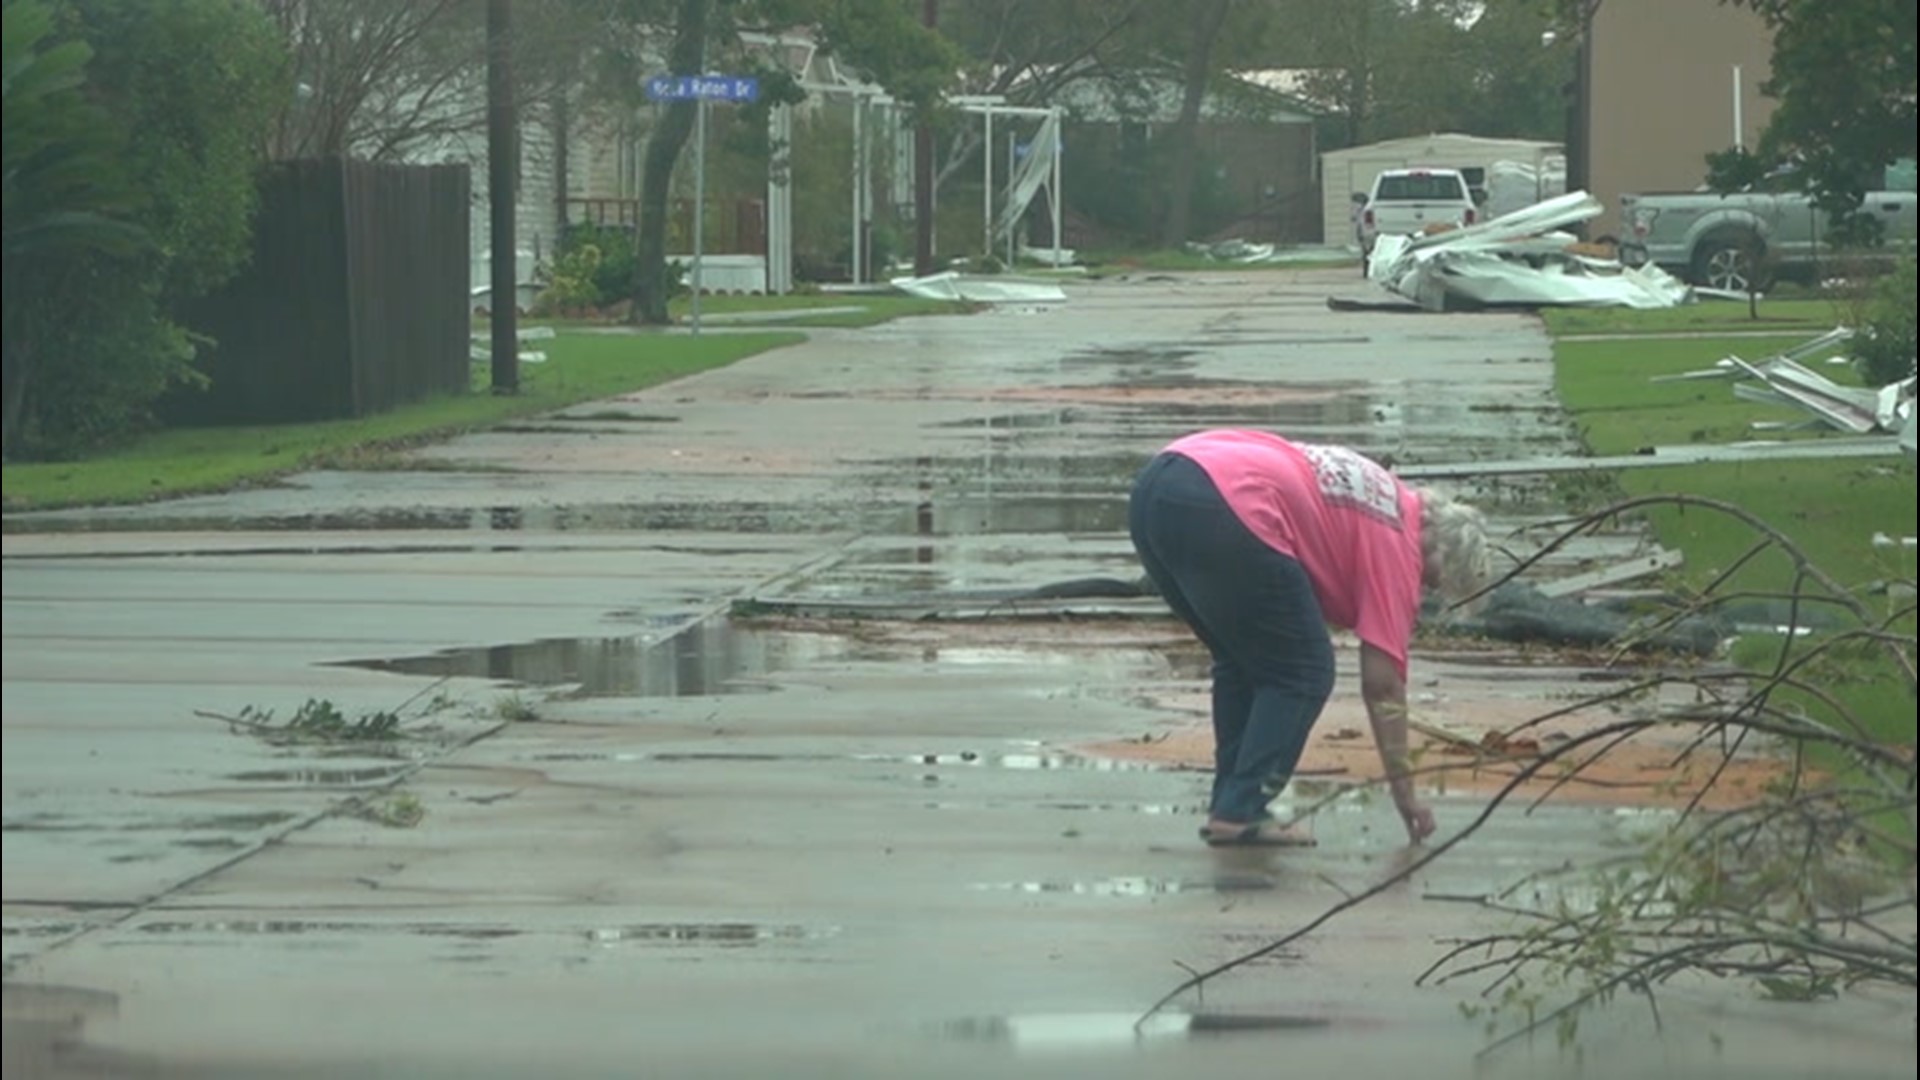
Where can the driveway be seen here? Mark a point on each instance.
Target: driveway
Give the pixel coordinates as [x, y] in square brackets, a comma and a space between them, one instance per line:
[726, 752]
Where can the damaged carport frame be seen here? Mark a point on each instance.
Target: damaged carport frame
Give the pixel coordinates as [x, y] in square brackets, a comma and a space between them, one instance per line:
[1522, 259]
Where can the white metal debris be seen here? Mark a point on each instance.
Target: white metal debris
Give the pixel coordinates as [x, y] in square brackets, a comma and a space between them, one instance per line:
[480, 346]
[1519, 259]
[1659, 457]
[952, 286]
[1235, 250]
[1629, 570]
[1783, 380]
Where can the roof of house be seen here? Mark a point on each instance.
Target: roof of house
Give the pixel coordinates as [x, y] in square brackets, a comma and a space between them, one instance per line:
[1446, 143]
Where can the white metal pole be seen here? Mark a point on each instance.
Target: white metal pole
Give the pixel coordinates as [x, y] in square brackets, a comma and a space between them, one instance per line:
[780, 200]
[699, 199]
[1013, 141]
[1739, 128]
[1058, 153]
[986, 190]
[859, 136]
[872, 128]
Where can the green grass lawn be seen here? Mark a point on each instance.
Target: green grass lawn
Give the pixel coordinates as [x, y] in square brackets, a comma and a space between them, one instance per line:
[580, 367]
[1829, 508]
[1709, 316]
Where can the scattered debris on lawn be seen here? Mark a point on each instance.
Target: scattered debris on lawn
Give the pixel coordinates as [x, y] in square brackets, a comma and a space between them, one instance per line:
[480, 348]
[1521, 259]
[1783, 379]
[949, 285]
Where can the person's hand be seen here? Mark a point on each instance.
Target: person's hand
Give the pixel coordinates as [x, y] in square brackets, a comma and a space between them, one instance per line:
[1418, 819]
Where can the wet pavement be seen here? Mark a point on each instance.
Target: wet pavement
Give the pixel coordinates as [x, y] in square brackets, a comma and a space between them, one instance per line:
[733, 754]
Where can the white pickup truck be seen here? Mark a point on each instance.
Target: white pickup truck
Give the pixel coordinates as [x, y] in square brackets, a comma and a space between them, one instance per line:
[1737, 241]
[1409, 201]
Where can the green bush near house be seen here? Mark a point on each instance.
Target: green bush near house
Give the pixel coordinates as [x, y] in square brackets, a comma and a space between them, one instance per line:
[1886, 344]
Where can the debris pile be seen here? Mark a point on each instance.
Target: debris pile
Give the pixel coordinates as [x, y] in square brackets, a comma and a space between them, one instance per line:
[1783, 379]
[1522, 259]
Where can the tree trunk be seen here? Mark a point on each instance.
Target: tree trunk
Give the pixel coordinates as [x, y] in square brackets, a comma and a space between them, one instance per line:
[686, 57]
[1198, 73]
[16, 400]
[560, 116]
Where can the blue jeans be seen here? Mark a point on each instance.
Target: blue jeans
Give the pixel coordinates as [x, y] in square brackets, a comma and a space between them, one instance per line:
[1255, 610]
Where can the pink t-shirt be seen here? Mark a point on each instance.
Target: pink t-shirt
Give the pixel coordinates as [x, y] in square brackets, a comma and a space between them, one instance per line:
[1351, 524]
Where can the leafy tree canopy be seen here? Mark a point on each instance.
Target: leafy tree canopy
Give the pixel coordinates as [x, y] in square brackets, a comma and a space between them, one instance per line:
[1843, 74]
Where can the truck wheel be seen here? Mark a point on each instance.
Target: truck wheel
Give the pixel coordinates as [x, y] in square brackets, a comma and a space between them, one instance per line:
[1729, 261]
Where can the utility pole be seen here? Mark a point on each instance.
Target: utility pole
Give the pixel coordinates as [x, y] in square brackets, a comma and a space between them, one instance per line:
[503, 159]
[923, 171]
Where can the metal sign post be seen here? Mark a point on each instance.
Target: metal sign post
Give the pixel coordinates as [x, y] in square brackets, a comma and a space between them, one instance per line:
[701, 89]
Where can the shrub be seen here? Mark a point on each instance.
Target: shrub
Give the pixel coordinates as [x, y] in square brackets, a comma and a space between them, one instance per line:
[186, 90]
[1885, 347]
[571, 282]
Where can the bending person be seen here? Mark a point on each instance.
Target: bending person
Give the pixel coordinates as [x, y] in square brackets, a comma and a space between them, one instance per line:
[1258, 544]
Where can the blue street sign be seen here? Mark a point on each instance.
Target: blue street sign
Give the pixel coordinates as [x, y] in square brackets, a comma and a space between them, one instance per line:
[697, 87]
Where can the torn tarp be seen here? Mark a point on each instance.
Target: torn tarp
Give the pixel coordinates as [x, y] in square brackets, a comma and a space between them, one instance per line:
[952, 286]
[1522, 259]
[1521, 613]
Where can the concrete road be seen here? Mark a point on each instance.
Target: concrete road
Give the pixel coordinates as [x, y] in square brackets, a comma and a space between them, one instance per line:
[625, 834]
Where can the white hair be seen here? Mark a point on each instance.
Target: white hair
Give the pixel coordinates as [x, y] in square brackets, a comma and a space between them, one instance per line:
[1453, 544]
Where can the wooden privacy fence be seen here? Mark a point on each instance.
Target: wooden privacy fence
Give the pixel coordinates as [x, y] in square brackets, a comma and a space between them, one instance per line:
[356, 300]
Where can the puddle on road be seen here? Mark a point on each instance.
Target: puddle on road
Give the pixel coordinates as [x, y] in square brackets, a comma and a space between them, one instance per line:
[44, 1028]
[321, 777]
[1023, 761]
[739, 517]
[280, 927]
[1095, 1031]
[246, 822]
[717, 657]
[1135, 887]
[721, 934]
[969, 759]
[1132, 363]
[1058, 513]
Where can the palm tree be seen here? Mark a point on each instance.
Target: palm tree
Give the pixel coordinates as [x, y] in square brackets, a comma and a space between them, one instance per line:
[64, 192]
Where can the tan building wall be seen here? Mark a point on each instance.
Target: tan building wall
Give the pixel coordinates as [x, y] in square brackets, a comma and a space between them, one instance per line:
[1661, 94]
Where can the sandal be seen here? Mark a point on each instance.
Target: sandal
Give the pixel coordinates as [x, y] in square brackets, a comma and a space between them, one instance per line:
[1259, 834]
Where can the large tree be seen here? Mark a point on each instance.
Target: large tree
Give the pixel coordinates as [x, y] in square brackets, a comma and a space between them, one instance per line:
[1197, 73]
[384, 79]
[1389, 68]
[1843, 74]
[881, 38]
